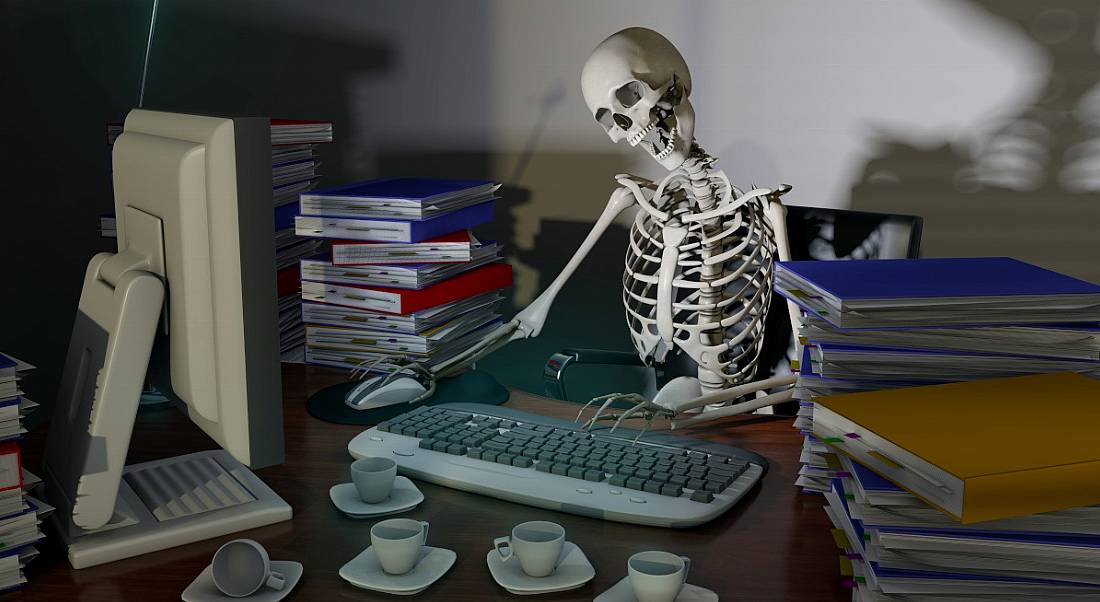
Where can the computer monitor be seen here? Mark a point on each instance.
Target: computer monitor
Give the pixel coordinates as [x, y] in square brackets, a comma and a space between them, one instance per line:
[194, 280]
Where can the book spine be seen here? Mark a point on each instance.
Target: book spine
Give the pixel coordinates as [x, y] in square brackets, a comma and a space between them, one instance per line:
[462, 219]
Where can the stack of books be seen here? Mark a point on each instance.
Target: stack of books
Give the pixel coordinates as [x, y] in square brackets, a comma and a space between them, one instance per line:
[406, 277]
[893, 323]
[976, 490]
[20, 514]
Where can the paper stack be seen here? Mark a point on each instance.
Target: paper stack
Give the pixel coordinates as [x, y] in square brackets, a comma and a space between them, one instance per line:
[882, 324]
[20, 514]
[407, 278]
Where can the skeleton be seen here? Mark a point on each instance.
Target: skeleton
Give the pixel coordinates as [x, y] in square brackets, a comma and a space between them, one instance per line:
[697, 277]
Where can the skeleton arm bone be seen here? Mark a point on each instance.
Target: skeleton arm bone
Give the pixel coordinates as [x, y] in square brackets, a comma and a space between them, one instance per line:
[529, 322]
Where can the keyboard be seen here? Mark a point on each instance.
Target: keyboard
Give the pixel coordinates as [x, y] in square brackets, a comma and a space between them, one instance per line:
[660, 480]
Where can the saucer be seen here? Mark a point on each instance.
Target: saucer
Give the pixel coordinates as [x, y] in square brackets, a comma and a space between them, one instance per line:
[622, 592]
[202, 589]
[365, 571]
[404, 496]
[574, 570]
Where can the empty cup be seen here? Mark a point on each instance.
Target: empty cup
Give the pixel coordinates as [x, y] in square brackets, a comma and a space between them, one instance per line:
[657, 576]
[241, 567]
[537, 544]
[373, 478]
[397, 543]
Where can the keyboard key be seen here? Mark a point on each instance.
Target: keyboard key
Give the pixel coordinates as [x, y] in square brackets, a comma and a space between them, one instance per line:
[652, 487]
[722, 480]
[626, 470]
[440, 446]
[507, 424]
[714, 487]
[474, 452]
[678, 479]
[542, 467]
[505, 458]
[521, 462]
[635, 483]
[562, 458]
[618, 480]
[515, 450]
[457, 449]
[679, 469]
[426, 443]
[578, 461]
[644, 473]
[594, 464]
[489, 455]
[546, 456]
[560, 469]
[702, 496]
[384, 426]
[495, 445]
[671, 490]
[594, 475]
[575, 472]
[696, 484]
[661, 476]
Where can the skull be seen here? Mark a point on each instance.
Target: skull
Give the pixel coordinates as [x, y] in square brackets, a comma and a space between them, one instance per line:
[636, 85]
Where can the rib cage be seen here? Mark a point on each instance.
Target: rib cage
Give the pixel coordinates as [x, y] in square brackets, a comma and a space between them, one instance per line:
[728, 345]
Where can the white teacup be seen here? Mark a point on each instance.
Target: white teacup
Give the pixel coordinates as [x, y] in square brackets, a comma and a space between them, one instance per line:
[373, 478]
[537, 544]
[657, 576]
[241, 567]
[397, 543]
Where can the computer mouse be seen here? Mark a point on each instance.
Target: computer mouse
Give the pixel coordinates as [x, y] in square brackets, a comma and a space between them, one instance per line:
[368, 395]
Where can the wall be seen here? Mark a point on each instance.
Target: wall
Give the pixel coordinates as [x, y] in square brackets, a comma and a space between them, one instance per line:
[977, 114]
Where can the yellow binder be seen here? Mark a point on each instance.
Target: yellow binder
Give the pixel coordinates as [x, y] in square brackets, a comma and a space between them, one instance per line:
[978, 450]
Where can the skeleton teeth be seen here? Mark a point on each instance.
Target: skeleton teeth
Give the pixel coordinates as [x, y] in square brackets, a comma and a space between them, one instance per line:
[636, 138]
[668, 149]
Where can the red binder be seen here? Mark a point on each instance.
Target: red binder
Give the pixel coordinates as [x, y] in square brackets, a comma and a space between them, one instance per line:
[403, 301]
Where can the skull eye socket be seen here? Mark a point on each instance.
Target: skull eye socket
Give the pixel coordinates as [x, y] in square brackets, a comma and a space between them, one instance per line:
[603, 117]
[629, 94]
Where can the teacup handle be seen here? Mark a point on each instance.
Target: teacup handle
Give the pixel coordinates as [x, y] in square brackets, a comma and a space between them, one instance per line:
[687, 568]
[502, 543]
[276, 580]
[424, 533]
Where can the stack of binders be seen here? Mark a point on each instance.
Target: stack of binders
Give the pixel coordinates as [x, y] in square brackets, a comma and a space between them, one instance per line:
[20, 514]
[975, 490]
[406, 279]
[892, 323]
[294, 170]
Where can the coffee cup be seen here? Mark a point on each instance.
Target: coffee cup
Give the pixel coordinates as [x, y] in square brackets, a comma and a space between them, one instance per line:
[657, 576]
[241, 567]
[397, 543]
[537, 544]
[373, 478]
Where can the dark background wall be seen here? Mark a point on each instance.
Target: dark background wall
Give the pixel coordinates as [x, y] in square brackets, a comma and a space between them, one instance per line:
[979, 115]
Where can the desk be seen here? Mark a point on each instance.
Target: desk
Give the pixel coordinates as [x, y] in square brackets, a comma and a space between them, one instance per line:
[774, 545]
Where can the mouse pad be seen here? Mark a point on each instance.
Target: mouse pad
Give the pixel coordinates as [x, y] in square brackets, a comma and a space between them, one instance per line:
[473, 386]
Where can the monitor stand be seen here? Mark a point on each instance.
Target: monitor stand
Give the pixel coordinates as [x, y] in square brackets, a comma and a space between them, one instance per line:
[175, 501]
[107, 511]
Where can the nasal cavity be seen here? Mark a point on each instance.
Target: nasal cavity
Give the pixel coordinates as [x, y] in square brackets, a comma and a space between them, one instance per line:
[622, 121]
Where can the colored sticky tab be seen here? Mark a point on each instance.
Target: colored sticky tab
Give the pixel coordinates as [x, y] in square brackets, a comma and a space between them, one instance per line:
[840, 538]
[849, 497]
[854, 556]
[887, 461]
[833, 440]
[846, 567]
[852, 435]
[861, 580]
[848, 584]
[802, 340]
[794, 365]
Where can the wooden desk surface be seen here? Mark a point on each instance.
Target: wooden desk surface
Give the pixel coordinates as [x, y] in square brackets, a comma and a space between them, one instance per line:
[774, 545]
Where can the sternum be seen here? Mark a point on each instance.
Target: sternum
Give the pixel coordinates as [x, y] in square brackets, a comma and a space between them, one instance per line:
[703, 193]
